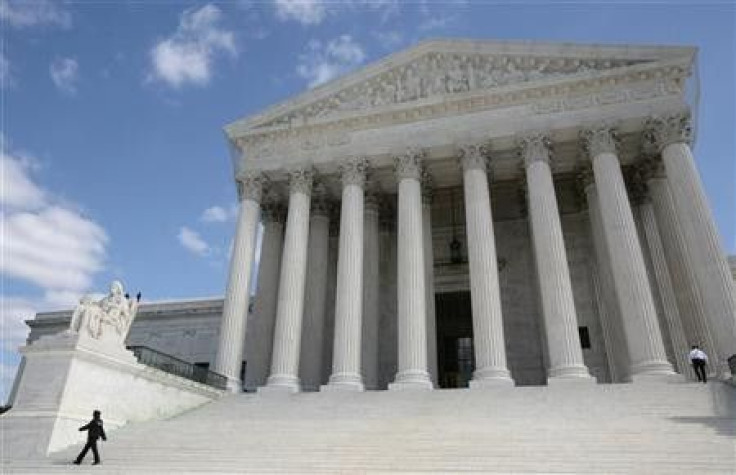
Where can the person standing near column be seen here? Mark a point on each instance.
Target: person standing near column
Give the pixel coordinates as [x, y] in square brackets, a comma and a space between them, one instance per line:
[672, 134]
[699, 359]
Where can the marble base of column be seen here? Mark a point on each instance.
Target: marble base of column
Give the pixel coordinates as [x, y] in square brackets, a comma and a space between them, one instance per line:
[281, 383]
[411, 380]
[344, 382]
[491, 378]
[569, 375]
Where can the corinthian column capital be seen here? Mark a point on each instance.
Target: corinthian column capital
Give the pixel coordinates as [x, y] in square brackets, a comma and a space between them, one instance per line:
[409, 165]
[599, 139]
[352, 171]
[300, 180]
[250, 186]
[535, 146]
[664, 130]
[474, 157]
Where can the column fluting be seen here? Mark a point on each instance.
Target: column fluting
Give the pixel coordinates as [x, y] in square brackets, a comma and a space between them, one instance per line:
[485, 293]
[427, 197]
[412, 313]
[346, 354]
[259, 338]
[371, 287]
[672, 134]
[609, 310]
[682, 268]
[558, 305]
[289, 313]
[661, 271]
[235, 312]
[643, 337]
[315, 298]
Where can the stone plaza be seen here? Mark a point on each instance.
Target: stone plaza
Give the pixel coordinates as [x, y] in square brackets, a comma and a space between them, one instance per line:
[512, 218]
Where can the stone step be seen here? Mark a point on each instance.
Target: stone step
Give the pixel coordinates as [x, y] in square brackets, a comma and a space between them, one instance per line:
[652, 428]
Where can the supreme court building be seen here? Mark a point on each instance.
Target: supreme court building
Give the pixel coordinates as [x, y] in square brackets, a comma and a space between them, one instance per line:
[477, 213]
[466, 213]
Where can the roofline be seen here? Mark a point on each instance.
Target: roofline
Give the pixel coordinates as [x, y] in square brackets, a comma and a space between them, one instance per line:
[466, 45]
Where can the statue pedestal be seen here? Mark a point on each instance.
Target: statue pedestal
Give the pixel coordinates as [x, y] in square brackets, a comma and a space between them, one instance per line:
[69, 375]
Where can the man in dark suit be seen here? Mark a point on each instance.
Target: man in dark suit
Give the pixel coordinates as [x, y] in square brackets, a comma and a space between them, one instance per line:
[94, 431]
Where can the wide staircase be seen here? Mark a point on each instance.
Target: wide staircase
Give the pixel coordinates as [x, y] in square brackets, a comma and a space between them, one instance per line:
[644, 428]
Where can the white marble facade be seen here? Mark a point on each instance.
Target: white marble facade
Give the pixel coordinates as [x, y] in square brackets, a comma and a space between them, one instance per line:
[550, 178]
[571, 240]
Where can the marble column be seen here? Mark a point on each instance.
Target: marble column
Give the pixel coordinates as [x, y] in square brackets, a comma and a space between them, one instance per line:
[671, 322]
[681, 266]
[235, 312]
[259, 339]
[346, 353]
[371, 284]
[672, 134]
[608, 306]
[388, 331]
[643, 337]
[315, 298]
[558, 305]
[427, 196]
[485, 293]
[290, 309]
[412, 312]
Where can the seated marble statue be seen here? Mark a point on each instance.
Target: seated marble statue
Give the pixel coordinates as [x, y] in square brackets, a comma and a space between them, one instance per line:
[114, 311]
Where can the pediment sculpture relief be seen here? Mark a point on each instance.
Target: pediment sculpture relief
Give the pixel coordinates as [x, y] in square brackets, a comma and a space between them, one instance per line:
[436, 74]
[108, 317]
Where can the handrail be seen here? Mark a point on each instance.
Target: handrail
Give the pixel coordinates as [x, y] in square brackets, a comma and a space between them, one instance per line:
[171, 364]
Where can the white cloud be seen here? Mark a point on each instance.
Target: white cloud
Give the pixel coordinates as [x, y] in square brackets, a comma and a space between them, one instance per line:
[323, 62]
[25, 13]
[18, 190]
[53, 248]
[65, 72]
[215, 214]
[313, 12]
[306, 12]
[186, 57]
[193, 242]
[44, 242]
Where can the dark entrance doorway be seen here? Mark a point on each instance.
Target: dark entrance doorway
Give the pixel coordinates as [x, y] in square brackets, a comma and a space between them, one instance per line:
[455, 356]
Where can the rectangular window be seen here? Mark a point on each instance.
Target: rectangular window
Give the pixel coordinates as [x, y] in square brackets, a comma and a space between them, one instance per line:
[584, 337]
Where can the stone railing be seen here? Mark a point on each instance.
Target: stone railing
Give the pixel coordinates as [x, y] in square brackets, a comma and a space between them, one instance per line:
[170, 364]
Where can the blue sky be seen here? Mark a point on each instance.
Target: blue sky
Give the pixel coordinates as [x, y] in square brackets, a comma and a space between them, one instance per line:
[114, 160]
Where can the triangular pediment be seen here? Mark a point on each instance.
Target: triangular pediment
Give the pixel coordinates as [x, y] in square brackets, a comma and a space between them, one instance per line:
[436, 70]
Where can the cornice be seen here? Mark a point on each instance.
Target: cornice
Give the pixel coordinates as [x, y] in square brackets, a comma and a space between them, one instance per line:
[518, 49]
[635, 83]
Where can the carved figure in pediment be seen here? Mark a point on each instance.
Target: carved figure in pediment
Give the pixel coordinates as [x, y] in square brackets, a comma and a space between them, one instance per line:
[437, 80]
[456, 77]
[410, 85]
[513, 73]
[386, 93]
